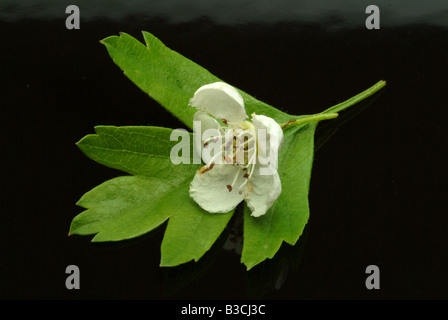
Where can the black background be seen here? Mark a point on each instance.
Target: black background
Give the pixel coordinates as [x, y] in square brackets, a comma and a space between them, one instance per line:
[378, 189]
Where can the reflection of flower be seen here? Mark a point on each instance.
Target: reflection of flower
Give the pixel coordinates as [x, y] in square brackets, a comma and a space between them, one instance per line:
[247, 173]
[234, 240]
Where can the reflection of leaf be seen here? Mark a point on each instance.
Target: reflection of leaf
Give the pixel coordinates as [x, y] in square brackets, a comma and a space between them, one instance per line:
[271, 274]
[129, 206]
[327, 129]
[175, 279]
[170, 78]
[289, 214]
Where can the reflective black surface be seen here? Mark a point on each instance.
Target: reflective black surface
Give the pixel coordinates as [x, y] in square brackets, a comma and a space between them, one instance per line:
[378, 189]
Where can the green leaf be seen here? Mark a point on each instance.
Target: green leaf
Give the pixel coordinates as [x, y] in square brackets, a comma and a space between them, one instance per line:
[137, 150]
[130, 206]
[287, 218]
[170, 78]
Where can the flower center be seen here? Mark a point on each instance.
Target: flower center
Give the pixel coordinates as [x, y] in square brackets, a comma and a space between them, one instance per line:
[241, 151]
[238, 148]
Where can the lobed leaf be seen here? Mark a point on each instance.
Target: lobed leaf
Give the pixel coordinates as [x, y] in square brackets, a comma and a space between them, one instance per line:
[130, 206]
[137, 150]
[170, 78]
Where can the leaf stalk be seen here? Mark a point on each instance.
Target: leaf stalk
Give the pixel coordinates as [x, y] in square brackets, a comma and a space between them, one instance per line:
[332, 112]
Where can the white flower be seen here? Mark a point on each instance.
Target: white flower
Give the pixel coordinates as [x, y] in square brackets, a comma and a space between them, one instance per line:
[241, 169]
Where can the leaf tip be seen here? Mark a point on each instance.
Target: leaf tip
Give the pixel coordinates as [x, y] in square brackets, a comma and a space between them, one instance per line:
[81, 143]
[110, 39]
[106, 40]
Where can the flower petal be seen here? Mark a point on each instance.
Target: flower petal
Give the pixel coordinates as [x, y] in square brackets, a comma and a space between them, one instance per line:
[273, 129]
[210, 188]
[269, 139]
[262, 191]
[220, 100]
[211, 127]
[206, 121]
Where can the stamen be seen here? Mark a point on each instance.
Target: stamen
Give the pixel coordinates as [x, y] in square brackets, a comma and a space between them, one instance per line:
[248, 175]
[216, 156]
[210, 167]
[229, 187]
[236, 177]
[228, 144]
[252, 170]
[249, 141]
[244, 183]
[224, 120]
[243, 132]
[215, 139]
